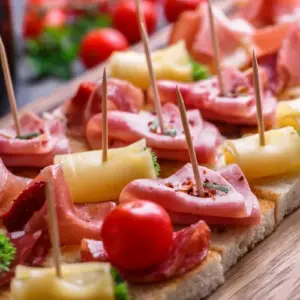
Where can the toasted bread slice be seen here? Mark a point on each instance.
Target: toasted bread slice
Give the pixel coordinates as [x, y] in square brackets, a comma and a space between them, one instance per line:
[234, 242]
[284, 191]
[196, 284]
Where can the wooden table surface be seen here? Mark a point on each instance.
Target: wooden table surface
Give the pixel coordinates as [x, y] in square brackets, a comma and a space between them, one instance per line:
[270, 271]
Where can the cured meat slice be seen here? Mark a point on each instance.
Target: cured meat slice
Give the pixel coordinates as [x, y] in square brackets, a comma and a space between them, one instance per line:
[194, 29]
[177, 193]
[75, 221]
[25, 244]
[10, 187]
[40, 141]
[239, 107]
[189, 249]
[126, 128]
[87, 102]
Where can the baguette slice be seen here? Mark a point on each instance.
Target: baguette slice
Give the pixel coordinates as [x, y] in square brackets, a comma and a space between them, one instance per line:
[283, 190]
[234, 242]
[196, 284]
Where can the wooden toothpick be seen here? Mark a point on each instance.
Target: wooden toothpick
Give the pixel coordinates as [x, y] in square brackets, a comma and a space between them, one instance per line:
[104, 118]
[190, 144]
[9, 87]
[260, 120]
[145, 39]
[53, 228]
[216, 47]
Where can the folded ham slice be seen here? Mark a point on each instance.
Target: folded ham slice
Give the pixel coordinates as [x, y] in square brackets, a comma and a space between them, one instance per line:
[86, 102]
[127, 128]
[239, 107]
[194, 29]
[189, 249]
[10, 187]
[41, 140]
[228, 198]
[75, 221]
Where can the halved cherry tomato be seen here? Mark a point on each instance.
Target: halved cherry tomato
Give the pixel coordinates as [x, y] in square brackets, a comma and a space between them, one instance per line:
[33, 25]
[99, 44]
[125, 18]
[173, 8]
[137, 235]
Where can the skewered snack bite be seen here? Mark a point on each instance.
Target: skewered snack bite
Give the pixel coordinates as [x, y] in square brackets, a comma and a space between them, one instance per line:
[91, 180]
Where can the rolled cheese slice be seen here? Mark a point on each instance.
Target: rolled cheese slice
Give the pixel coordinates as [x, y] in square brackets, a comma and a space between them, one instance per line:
[171, 63]
[280, 154]
[88, 281]
[288, 114]
[90, 180]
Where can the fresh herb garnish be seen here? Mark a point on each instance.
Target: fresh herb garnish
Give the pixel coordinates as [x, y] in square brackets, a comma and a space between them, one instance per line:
[28, 136]
[55, 50]
[154, 160]
[154, 128]
[121, 291]
[7, 253]
[200, 72]
[171, 132]
[217, 187]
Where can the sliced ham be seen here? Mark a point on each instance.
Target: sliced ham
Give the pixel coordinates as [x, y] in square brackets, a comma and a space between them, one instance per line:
[87, 102]
[75, 221]
[10, 187]
[189, 249]
[38, 151]
[177, 195]
[239, 107]
[194, 29]
[126, 128]
[26, 251]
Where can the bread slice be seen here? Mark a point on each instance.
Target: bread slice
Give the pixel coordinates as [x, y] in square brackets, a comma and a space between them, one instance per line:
[234, 242]
[284, 191]
[196, 284]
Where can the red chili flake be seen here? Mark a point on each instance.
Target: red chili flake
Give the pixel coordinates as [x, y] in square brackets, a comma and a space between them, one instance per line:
[204, 172]
[170, 185]
[206, 180]
[241, 178]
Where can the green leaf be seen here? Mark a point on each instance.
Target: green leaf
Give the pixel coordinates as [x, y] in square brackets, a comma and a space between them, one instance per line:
[200, 72]
[217, 187]
[7, 253]
[155, 163]
[121, 291]
[28, 136]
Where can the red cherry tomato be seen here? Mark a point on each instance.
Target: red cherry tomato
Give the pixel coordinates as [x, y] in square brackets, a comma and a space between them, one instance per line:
[173, 8]
[99, 44]
[125, 18]
[55, 17]
[137, 235]
[33, 25]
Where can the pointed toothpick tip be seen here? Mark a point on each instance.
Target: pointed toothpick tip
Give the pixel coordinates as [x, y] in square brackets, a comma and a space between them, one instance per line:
[104, 118]
[260, 120]
[190, 144]
[53, 228]
[9, 87]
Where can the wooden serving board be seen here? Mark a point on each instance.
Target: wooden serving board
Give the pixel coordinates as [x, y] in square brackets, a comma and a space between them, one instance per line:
[270, 271]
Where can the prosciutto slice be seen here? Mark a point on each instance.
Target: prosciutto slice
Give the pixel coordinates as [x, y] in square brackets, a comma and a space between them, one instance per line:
[239, 107]
[87, 101]
[126, 128]
[189, 249]
[30, 247]
[75, 221]
[231, 200]
[10, 187]
[194, 29]
[36, 151]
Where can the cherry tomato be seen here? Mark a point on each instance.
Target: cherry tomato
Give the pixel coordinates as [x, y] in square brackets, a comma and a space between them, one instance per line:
[173, 8]
[125, 18]
[137, 235]
[33, 25]
[55, 17]
[99, 44]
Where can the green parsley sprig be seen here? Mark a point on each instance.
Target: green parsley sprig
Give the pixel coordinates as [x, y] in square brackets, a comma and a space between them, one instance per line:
[200, 72]
[7, 253]
[121, 291]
